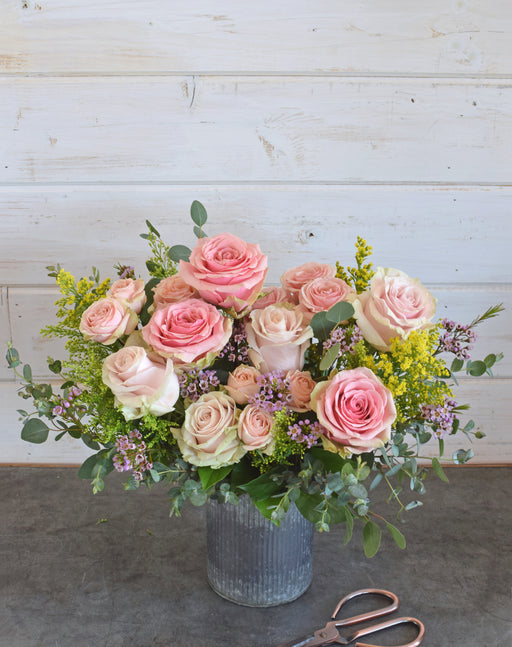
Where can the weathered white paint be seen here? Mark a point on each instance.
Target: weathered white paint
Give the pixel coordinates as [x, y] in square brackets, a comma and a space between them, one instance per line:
[465, 37]
[442, 235]
[5, 332]
[248, 129]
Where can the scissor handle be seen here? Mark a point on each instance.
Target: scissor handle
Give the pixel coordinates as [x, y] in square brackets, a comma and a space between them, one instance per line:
[385, 625]
[370, 615]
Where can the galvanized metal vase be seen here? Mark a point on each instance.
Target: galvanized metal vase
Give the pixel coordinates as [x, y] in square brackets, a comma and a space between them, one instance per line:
[253, 562]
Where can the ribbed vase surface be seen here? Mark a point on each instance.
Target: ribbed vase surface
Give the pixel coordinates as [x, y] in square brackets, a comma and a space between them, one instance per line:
[253, 562]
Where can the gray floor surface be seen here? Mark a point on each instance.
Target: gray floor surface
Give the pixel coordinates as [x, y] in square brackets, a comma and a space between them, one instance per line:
[113, 570]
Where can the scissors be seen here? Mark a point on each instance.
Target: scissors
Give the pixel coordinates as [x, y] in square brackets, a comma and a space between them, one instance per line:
[330, 635]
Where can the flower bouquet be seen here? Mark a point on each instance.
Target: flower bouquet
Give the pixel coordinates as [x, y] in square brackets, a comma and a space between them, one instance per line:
[205, 380]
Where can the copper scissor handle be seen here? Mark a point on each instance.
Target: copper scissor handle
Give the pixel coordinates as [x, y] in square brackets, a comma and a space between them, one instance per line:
[370, 615]
[386, 625]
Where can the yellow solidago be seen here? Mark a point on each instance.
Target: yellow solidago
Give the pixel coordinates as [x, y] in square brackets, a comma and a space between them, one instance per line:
[359, 277]
[411, 372]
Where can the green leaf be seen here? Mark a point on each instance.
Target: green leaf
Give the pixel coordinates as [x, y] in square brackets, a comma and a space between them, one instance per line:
[85, 471]
[349, 528]
[330, 357]
[476, 368]
[371, 538]
[457, 365]
[12, 357]
[340, 311]
[54, 365]
[198, 213]
[436, 466]
[332, 462]
[358, 491]
[27, 373]
[34, 431]
[321, 326]
[200, 233]
[441, 447]
[308, 504]
[490, 360]
[397, 535]
[179, 253]
[261, 487]
[89, 442]
[152, 229]
[462, 456]
[210, 476]
[376, 481]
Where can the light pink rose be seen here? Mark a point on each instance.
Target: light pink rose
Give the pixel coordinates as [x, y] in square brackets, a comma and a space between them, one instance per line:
[226, 271]
[278, 337]
[321, 294]
[130, 292]
[271, 295]
[106, 320]
[140, 385]
[294, 278]
[355, 409]
[171, 290]
[188, 331]
[255, 428]
[394, 305]
[209, 435]
[242, 383]
[301, 387]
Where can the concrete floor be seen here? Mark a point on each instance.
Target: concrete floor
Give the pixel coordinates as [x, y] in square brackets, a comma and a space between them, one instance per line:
[112, 570]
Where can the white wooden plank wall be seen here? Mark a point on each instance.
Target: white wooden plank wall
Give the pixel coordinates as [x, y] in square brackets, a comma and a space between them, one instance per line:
[298, 124]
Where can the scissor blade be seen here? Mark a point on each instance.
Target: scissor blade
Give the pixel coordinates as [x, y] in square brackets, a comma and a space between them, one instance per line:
[300, 642]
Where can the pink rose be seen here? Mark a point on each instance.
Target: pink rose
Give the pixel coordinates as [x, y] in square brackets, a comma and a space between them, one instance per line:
[393, 306]
[171, 290]
[355, 409]
[242, 383]
[129, 292]
[255, 428]
[209, 435]
[271, 295]
[320, 294]
[226, 271]
[188, 331]
[106, 320]
[301, 386]
[278, 337]
[294, 278]
[140, 385]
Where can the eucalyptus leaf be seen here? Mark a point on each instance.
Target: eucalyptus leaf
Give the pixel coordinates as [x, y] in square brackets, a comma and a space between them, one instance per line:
[27, 373]
[179, 253]
[321, 326]
[330, 357]
[457, 365]
[34, 431]
[436, 466]
[340, 311]
[397, 535]
[371, 538]
[476, 369]
[12, 357]
[198, 213]
[349, 528]
[200, 233]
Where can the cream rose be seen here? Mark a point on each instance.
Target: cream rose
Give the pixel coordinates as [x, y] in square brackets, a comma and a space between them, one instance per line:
[255, 429]
[321, 294]
[209, 435]
[106, 320]
[301, 386]
[242, 383]
[394, 305]
[171, 290]
[355, 409]
[140, 385]
[278, 337]
[130, 292]
[190, 331]
[226, 271]
[294, 278]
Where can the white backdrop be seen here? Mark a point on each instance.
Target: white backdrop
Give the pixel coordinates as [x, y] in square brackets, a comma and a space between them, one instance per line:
[298, 124]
